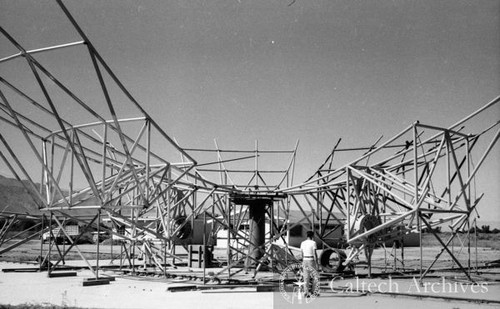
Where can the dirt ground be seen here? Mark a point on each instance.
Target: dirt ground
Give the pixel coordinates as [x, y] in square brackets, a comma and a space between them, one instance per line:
[35, 289]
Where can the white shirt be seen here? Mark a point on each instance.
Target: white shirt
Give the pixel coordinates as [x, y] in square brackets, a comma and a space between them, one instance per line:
[308, 248]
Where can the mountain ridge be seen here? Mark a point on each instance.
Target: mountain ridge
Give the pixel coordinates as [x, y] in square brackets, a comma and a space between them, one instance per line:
[15, 198]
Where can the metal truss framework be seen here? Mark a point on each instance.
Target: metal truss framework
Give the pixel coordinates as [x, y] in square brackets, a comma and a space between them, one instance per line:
[426, 183]
[420, 178]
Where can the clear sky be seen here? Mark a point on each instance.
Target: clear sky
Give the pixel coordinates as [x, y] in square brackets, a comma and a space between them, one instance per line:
[282, 71]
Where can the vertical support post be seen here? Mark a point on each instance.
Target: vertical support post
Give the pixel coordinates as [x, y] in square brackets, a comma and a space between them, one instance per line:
[369, 251]
[204, 245]
[395, 255]
[133, 241]
[52, 151]
[45, 173]
[313, 223]
[42, 179]
[98, 242]
[415, 163]
[169, 204]
[403, 255]
[475, 241]
[415, 199]
[122, 244]
[320, 217]
[41, 243]
[64, 250]
[104, 157]
[228, 251]
[72, 168]
[112, 241]
[385, 258]
[467, 155]
[148, 159]
[420, 241]
[190, 256]
[271, 233]
[234, 255]
[448, 176]
[348, 204]
[164, 243]
[50, 245]
[169, 243]
[193, 207]
[286, 221]
[468, 245]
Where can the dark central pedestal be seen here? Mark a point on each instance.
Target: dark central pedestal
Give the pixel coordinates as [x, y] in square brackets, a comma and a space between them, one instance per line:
[257, 206]
[257, 223]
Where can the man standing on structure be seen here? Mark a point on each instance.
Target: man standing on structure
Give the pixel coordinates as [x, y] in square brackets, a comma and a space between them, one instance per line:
[309, 259]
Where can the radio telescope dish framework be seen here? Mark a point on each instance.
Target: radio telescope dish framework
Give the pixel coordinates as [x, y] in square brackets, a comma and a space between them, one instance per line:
[120, 172]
